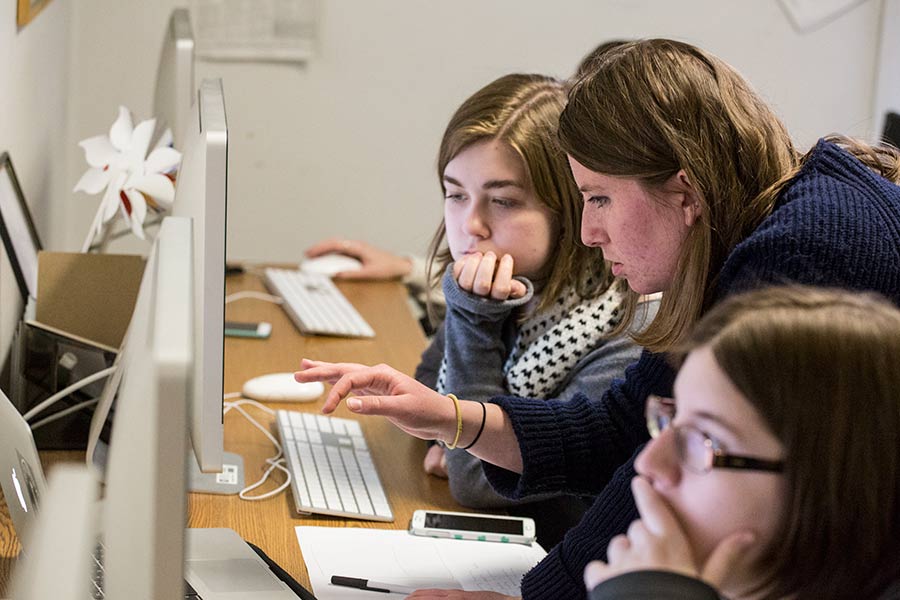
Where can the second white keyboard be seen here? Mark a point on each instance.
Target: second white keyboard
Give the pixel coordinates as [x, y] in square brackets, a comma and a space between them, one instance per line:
[332, 472]
[315, 305]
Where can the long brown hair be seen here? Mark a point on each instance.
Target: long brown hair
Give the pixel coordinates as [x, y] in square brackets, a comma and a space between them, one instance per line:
[822, 367]
[522, 111]
[647, 109]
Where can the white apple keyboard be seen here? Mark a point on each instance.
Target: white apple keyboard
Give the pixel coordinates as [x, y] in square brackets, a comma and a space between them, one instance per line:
[281, 387]
[330, 264]
[332, 471]
[314, 303]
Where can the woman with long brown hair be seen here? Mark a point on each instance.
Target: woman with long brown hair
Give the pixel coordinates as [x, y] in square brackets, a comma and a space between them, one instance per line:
[692, 187]
[529, 308]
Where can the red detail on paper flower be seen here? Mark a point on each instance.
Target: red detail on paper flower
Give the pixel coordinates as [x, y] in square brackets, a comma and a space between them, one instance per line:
[126, 202]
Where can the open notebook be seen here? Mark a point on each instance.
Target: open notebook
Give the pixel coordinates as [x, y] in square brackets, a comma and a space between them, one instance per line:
[411, 561]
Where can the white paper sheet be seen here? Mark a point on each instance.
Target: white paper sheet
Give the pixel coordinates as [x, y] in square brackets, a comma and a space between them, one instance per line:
[392, 556]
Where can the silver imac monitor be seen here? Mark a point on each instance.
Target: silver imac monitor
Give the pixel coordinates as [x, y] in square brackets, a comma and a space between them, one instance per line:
[142, 515]
[175, 77]
[144, 505]
[201, 194]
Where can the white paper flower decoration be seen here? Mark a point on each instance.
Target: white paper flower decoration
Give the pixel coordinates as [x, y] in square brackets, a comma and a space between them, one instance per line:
[133, 180]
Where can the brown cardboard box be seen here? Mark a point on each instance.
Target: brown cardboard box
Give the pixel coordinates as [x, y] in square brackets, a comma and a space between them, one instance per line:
[89, 295]
[83, 309]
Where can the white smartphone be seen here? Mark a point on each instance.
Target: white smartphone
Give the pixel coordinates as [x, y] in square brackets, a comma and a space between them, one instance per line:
[470, 526]
[251, 330]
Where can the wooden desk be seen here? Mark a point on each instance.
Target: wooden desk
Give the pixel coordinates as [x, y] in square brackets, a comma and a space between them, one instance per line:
[270, 523]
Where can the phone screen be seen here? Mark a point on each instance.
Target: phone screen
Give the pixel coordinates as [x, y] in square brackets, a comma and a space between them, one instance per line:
[241, 326]
[467, 523]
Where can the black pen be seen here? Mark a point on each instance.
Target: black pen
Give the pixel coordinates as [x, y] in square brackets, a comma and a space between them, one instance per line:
[370, 585]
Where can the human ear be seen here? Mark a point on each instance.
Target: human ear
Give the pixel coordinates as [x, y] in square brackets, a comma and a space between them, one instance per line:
[690, 206]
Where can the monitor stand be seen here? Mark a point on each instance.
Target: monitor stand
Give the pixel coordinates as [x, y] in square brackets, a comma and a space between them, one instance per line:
[229, 481]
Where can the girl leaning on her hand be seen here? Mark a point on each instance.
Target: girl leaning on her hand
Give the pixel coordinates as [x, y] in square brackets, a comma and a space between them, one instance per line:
[775, 468]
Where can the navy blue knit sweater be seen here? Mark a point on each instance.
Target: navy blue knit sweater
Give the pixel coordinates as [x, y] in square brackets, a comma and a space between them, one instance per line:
[837, 224]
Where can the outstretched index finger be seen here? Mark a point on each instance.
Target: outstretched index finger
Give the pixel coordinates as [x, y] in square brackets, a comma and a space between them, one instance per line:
[315, 370]
[371, 388]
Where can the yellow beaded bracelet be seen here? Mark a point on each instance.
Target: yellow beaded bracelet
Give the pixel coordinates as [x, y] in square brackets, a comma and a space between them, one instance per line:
[458, 421]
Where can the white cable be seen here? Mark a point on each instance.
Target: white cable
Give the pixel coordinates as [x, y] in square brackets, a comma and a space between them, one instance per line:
[67, 411]
[237, 407]
[242, 401]
[68, 390]
[254, 295]
[275, 462]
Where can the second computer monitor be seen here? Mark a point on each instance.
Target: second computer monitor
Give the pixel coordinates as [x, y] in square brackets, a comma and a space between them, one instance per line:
[201, 194]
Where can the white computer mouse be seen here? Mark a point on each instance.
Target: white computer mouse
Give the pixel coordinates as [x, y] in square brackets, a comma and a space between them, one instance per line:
[281, 387]
[329, 264]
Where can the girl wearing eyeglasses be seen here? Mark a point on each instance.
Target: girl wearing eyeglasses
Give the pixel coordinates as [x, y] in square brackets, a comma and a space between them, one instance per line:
[775, 470]
[692, 187]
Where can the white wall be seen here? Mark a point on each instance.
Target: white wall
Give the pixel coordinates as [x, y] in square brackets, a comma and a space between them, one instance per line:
[346, 144]
[886, 96]
[34, 77]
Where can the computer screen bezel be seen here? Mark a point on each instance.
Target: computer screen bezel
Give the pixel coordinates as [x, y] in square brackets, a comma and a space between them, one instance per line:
[201, 193]
[145, 503]
[24, 247]
[174, 91]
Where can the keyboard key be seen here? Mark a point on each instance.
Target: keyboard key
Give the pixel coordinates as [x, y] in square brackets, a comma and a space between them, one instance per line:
[340, 479]
[326, 476]
[311, 474]
[356, 482]
[310, 422]
[297, 472]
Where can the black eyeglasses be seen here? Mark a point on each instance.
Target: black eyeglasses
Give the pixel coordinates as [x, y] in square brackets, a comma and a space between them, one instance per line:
[696, 450]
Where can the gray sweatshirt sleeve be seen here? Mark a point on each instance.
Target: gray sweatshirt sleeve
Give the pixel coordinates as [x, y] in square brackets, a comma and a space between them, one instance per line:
[475, 351]
[474, 345]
